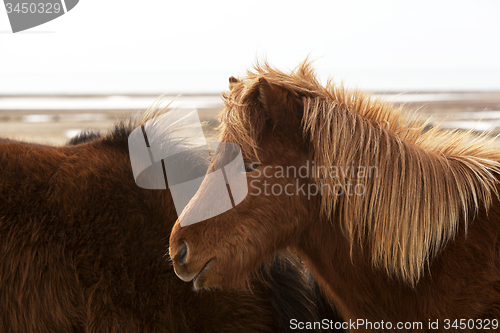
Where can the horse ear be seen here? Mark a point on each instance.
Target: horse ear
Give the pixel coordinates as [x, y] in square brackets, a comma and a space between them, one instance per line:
[232, 82]
[278, 103]
[266, 94]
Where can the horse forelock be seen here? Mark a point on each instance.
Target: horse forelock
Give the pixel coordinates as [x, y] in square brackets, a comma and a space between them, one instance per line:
[427, 182]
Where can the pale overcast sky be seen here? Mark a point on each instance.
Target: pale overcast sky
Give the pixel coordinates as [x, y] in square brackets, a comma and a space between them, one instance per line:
[176, 46]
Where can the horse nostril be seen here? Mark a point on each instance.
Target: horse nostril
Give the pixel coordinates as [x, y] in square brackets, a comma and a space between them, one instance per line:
[181, 255]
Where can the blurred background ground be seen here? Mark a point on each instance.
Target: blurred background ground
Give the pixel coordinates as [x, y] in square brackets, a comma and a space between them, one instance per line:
[56, 119]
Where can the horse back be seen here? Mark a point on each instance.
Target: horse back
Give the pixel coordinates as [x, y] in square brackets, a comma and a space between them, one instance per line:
[38, 285]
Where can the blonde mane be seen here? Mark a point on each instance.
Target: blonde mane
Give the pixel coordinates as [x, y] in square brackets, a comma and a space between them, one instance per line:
[429, 182]
[182, 131]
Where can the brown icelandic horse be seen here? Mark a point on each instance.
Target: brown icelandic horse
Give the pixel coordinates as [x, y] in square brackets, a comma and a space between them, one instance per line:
[83, 249]
[397, 223]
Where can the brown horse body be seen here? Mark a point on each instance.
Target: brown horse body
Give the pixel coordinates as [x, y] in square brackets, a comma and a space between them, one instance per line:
[82, 249]
[418, 249]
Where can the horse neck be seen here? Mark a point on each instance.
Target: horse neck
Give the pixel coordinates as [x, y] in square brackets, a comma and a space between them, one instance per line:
[357, 288]
[361, 291]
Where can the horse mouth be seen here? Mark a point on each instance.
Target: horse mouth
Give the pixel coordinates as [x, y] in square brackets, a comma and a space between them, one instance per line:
[198, 280]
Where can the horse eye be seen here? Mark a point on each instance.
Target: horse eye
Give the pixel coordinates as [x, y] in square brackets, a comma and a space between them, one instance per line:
[250, 166]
